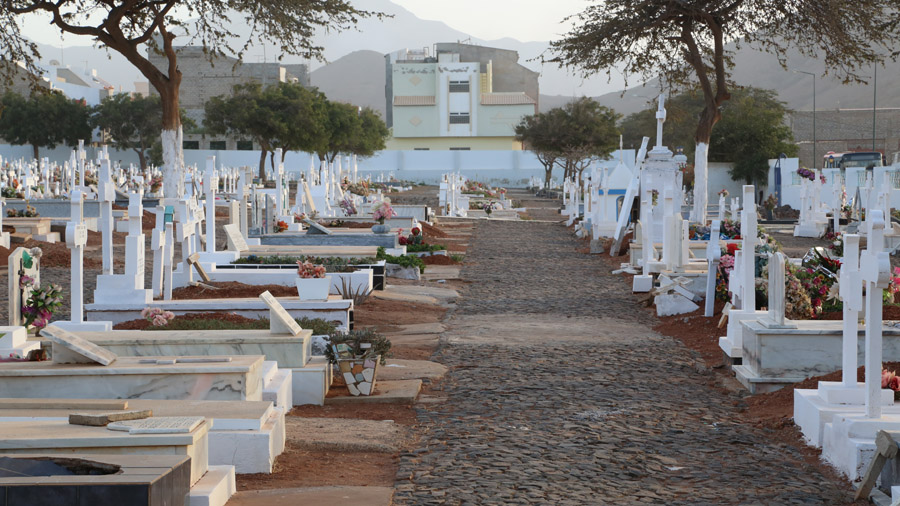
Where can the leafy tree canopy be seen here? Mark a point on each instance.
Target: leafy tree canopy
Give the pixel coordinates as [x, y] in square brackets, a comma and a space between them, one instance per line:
[44, 119]
[353, 131]
[286, 116]
[752, 130]
[570, 136]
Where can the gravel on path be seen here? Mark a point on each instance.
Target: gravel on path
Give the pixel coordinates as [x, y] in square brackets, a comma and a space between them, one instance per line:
[560, 393]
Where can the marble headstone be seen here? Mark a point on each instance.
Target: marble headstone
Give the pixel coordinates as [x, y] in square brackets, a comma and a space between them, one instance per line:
[236, 241]
[280, 320]
[159, 425]
[71, 349]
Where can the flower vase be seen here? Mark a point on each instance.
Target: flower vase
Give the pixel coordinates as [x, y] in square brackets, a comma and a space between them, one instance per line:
[313, 289]
[381, 228]
[359, 374]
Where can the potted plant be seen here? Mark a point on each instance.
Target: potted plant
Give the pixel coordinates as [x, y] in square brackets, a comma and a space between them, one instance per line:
[42, 302]
[312, 283]
[382, 212]
[358, 354]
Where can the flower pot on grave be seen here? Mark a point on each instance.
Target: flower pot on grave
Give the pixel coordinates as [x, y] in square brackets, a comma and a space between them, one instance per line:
[769, 215]
[314, 288]
[381, 228]
[359, 374]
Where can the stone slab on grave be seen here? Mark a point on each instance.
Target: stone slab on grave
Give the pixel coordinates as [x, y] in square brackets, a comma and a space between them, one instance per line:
[335, 239]
[315, 228]
[279, 320]
[812, 412]
[334, 309]
[129, 378]
[338, 251]
[288, 350]
[135, 480]
[68, 348]
[61, 438]
[246, 434]
[774, 357]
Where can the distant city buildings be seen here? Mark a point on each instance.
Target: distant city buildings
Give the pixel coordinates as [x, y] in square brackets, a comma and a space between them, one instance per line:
[202, 79]
[464, 97]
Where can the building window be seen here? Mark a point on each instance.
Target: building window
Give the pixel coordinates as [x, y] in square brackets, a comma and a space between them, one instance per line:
[459, 86]
[459, 118]
[217, 145]
[190, 145]
[245, 145]
[420, 149]
[460, 149]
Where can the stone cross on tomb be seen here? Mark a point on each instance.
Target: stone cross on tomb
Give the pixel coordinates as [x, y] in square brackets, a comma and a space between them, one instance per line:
[76, 238]
[210, 182]
[775, 318]
[157, 245]
[713, 255]
[721, 207]
[850, 286]
[748, 248]
[107, 195]
[875, 268]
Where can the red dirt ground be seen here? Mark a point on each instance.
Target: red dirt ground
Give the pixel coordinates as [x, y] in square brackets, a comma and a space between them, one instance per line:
[231, 290]
[141, 324]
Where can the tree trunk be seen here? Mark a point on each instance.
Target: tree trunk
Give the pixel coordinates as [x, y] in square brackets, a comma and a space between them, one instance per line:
[548, 173]
[35, 150]
[142, 158]
[708, 119]
[172, 138]
[262, 163]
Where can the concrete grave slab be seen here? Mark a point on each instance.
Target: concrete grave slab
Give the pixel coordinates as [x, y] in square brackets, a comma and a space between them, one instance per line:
[332, 496]
[281, 321]
[158, 425]
[386, 392]
[399, 369]
[344, 434]
[71, 349]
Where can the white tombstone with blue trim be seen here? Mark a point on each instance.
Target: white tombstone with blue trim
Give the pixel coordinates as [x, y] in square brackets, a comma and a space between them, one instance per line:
[610, 200]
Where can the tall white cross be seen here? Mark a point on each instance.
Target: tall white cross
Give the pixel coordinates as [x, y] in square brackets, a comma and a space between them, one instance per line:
[76, 238]
[875, 267]
[850, 287]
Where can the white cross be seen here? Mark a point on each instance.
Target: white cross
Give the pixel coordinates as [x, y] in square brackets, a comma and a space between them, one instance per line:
[875, 268]
[76, 238]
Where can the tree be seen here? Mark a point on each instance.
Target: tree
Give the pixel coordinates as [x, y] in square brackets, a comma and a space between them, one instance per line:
[285, 115]
[45, 119]
[352, 130]
[752, 131]
[131, 122]
[539, 133]
[342, 126]
[678, 40]
[127, 25]
[570, 136]
[590, 133]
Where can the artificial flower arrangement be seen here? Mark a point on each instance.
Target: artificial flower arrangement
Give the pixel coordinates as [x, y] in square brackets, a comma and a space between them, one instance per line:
[348, 206]
[889, 379]
[157, 317]
[723, 193]
[488, 207]
[309, 270]
[383, 211]
[281, 226]
[806, 173]
[156, 183]
[28, 212]
[42, 302]
[771, 202]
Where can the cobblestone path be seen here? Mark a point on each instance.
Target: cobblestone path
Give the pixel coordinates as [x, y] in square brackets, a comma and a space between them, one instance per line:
[559, 393]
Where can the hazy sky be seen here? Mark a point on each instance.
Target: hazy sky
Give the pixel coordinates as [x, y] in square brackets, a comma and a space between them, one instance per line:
[525, 20]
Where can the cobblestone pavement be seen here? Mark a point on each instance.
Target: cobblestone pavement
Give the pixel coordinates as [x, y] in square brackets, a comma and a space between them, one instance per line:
[560, 394]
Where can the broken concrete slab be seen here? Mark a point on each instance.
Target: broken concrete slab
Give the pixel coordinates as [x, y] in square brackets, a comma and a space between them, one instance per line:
[104, 419]
[395, 295]
[443, 295]
[399, 369]
[332, 496]
[435, 272]
[386, 392]
[420, 328]
[344, 434]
